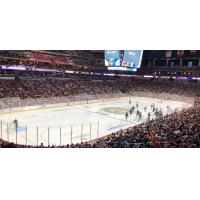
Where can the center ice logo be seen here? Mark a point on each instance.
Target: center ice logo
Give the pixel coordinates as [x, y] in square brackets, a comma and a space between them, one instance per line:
[115, 110]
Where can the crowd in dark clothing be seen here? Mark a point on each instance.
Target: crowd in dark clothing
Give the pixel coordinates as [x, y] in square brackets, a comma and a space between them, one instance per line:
[35, 87]
[174, 130]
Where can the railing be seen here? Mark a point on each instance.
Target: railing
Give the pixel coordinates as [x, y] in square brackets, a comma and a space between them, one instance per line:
[66, 132]
[50, 134]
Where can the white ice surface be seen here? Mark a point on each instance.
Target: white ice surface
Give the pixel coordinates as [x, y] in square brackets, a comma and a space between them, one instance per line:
[71, 124]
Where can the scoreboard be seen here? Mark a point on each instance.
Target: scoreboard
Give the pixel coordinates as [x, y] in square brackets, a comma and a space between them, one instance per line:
[112, 58]
[126, 60]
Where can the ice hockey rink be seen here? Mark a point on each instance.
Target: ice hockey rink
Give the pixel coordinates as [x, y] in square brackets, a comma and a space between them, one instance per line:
[61, 124]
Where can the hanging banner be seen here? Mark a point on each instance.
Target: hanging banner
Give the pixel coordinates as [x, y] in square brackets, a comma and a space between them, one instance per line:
[193, 52]
[168, 54]
[180, 53]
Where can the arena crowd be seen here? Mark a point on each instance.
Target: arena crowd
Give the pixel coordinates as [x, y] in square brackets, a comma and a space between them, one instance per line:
[174, 130]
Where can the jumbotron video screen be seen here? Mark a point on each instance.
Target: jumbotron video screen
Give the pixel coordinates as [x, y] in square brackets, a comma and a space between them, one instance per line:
[126, 60]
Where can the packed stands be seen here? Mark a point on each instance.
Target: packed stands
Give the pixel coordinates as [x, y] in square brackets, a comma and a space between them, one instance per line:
[174, 130]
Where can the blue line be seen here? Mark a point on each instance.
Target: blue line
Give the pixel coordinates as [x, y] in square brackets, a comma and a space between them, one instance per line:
[114, 127]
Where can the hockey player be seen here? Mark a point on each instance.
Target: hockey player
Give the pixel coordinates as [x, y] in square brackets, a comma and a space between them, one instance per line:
[137, 113]
[130, 111]
[153, 106]
[140, 115]
[149, 115]
[167, 107]
[126, 116]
